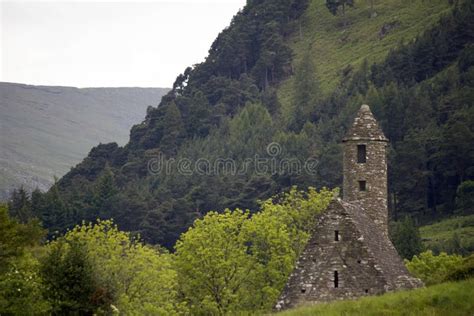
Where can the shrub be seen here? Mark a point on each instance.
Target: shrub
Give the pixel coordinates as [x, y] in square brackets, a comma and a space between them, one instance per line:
[433, 269]
[464, 271]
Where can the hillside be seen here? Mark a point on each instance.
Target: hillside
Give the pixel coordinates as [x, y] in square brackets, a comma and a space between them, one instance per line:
[282, 83]
[334, 48]
[47, 130]
[444, 299]
[441, 235]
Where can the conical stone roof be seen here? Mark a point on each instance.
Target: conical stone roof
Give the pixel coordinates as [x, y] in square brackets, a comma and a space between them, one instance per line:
[365, 127]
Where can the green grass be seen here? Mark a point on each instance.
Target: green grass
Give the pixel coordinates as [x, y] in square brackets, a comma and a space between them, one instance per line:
[439, 235]
[334, 47]
[453, 298]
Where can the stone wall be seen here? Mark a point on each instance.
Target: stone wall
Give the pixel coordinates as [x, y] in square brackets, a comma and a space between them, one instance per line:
[313, 277]
[374, 172]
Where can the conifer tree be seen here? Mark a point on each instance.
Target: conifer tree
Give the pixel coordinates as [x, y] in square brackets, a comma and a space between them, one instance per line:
[172, 126]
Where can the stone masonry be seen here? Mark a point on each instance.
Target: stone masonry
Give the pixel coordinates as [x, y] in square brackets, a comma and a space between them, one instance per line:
[365, 132]
[349, 254]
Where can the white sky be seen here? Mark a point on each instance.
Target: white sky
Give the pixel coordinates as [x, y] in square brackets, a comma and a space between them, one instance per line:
[107, 43]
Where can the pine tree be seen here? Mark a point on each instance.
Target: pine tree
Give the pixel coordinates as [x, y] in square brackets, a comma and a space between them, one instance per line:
[406, 238]
[104, 191]
[306, 93]
[172, 126]
[19, 205]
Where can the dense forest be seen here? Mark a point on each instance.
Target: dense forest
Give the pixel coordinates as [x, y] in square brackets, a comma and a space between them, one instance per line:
[228, 107]
[203, 211]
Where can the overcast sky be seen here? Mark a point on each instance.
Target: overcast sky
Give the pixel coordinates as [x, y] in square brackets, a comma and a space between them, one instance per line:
[107, 44]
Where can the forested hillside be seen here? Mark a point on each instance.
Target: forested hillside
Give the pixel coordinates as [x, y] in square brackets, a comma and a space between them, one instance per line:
[46, 130]
[291, 74]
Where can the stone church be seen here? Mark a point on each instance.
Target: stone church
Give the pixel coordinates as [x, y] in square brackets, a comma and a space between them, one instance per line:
[349, 255]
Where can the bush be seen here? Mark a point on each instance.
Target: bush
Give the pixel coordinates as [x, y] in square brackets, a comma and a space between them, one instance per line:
[21, 289]
[433, 269]
[97, 268]
[464, 271]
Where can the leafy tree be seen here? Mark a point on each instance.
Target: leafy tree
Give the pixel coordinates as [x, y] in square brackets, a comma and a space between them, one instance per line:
[406, 238]
[212, 263]
[110, 270]
[20, 286]
[231, 262]
[433, 269]
[462, 272]
[16, 237]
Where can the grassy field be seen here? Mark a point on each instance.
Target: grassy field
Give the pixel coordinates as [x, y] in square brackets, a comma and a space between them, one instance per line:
[445, 299]
[438, 236]
[334, 46]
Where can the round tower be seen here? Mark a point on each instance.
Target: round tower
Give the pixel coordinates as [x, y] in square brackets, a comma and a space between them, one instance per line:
[365, 167]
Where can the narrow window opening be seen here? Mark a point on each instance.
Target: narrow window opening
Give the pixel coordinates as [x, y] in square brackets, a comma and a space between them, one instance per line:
[366, 290]
[336, 235]
[361, 154]
[362, 186]
[303, 290]
[336, 279]
[358, 261]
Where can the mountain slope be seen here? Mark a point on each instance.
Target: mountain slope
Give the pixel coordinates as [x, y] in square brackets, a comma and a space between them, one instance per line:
[265, 93]
[46, 130]
[371, 32]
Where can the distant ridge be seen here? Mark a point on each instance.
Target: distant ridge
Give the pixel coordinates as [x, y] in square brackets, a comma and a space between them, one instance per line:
[44, 130]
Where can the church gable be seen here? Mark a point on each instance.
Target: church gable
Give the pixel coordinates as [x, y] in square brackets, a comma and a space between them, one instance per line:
[336, 263]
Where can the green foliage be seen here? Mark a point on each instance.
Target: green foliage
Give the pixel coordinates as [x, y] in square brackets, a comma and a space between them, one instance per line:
[99, 268]
[21, 289]
[15, 238]
[307, 95]
[212, 263]
[253, 89]
[443, 299]
[462, 272]
[19, 205]
[433, 269]
[439, 236]
[334, 5]
[20, 286]
[70, 284]
[465, 197]
[232, 262]
[406, 238]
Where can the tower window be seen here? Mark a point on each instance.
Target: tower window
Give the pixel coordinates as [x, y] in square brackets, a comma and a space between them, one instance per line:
[336, 279]
[362, 186]
[336, 235]
[361, 154]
